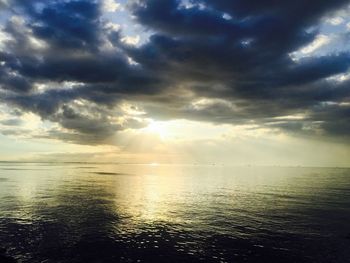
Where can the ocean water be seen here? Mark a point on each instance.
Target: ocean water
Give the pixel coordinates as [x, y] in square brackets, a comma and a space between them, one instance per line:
[172, 213]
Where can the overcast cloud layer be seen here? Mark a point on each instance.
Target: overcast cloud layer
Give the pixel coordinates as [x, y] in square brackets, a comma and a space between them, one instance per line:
[220, 61]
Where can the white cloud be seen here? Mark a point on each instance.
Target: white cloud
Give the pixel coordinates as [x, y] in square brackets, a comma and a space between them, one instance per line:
[131, 40]
[226, 16]
[4, 3]
[343, 77]
[112, 26]
[131, 61]
[320, 41]
[111, 6]
[335, 21]
[348, 26]
[3, 39]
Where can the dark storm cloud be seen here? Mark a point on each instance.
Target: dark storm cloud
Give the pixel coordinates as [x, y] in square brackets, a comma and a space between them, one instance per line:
[64, 24]
[235, 54]
[257, 46]
[166, 17]
[44, 104]
[73, 24]
[13, 82]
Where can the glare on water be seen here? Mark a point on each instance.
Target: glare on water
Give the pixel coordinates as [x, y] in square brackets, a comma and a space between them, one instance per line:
[72, 212]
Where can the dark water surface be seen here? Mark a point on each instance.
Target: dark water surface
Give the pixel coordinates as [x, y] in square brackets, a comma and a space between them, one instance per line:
[142, 213]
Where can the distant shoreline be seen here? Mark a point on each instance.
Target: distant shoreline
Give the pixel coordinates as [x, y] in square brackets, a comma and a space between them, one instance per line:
[177, 164]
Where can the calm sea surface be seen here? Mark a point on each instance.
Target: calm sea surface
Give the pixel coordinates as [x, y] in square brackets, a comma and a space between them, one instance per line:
[142, 213]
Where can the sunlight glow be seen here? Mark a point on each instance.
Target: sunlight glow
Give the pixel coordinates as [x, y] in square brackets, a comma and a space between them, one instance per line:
[159, 128]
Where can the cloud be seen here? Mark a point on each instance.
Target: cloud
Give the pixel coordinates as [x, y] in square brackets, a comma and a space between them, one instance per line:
[131, 40]
[335, 21]
[3, 4]
[215, 61]
[11, 122]
[111, 6]
[319, 41]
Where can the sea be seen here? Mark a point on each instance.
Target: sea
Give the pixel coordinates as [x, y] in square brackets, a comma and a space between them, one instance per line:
[102, 212]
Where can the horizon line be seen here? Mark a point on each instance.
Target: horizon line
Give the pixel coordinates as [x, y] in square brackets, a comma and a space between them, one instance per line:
[189, 164]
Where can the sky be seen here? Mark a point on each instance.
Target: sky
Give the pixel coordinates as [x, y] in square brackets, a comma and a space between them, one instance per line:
[230, 82]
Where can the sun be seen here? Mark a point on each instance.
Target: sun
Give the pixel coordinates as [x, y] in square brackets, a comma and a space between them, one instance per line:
[159, 128]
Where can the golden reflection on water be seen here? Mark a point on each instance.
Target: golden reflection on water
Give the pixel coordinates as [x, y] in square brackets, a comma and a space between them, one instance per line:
[175, 207]
[142, 194]
[146, 198]
[151, 193]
